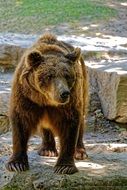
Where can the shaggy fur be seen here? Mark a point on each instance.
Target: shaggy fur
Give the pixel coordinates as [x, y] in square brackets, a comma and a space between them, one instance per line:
[49, 95]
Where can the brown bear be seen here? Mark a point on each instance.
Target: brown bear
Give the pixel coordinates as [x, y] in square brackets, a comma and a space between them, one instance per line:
[49, 95]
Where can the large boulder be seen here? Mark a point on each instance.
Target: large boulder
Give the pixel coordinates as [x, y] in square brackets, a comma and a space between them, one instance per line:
[12, 47]
[9, 56]
[109, 79]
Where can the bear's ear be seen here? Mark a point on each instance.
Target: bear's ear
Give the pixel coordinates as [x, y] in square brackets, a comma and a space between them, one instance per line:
[35, 58]
[75, 55]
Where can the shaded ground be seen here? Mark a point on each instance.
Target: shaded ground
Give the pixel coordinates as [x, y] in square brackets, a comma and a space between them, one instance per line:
[115, 26]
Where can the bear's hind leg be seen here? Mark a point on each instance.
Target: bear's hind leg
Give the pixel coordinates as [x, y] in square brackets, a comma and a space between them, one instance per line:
[80, 151]
[48, 146]
[21, 133]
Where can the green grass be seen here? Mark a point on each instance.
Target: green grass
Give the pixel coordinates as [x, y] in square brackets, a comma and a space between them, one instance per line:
[20, 15]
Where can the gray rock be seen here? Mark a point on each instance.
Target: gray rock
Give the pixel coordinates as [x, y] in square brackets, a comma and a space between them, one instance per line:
[12, 47]
[104, 169]
[9, 56]
[4, 124]
[15, 39]
[109, 80]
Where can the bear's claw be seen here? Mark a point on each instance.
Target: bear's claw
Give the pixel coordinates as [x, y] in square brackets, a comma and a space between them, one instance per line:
[65, 169]
[16, 166]
[47, 152]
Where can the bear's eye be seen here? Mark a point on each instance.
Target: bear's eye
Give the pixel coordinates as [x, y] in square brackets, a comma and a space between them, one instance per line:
[67, 77]
[49, 77]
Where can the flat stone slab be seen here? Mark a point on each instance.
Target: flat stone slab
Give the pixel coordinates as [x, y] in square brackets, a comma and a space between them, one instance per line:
[21, 40]
[105, 168]
[107, 43]
[118, 67]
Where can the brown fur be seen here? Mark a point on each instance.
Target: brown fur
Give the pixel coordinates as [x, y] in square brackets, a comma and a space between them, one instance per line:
[49, 94]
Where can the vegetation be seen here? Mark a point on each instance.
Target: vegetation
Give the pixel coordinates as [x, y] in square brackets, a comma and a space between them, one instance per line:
[20, 15]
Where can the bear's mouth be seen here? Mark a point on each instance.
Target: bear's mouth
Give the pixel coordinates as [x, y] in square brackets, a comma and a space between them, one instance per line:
[60, 102]
[64, 101]
[64, 96]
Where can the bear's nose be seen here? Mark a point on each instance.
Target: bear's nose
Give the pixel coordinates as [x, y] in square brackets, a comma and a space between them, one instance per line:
[65, 94]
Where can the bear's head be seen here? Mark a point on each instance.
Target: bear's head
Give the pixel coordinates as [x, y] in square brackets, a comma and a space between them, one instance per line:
[52, 74]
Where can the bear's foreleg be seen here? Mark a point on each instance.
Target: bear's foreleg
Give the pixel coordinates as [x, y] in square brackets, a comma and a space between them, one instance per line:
[68, 139]
[21, 132]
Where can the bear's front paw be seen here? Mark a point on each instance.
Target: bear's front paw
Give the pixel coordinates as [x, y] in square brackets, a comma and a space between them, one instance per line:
[65, 169]
[14, 166]
[17, 164]
[50, 152]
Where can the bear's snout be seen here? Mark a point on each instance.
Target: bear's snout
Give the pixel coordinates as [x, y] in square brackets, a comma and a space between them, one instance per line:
[65, 95]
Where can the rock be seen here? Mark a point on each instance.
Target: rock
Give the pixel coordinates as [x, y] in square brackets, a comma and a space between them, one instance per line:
[9, 56]
[94, 101]
[4, 124]
[109, 80]
[12, 47]
[105, 168]
[4, 101]
[5, 89]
